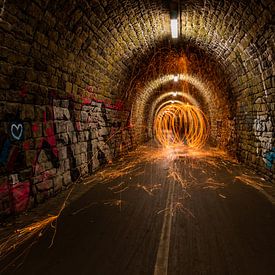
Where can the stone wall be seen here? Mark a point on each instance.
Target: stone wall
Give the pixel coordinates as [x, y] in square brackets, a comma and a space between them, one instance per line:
[66, 75]
[240, 37]
[44, 148]
[61, 116]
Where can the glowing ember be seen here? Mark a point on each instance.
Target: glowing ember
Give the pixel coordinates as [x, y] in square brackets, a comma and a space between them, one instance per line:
[21, 236]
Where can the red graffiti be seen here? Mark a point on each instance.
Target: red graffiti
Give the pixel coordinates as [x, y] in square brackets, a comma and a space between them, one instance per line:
[15, 194]
[47, 143]
[44, 117]
[12, 158]
[50, 132]
[118, 105]
[78, 126]
[35, 127]
[50, 137]
[51, 140]
[26, 145]
[86, 101]
[18, 195]
[43, 175]
[23, 92]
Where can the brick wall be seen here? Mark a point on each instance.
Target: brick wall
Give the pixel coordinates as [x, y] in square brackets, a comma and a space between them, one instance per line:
[240, 34]
[72, 84]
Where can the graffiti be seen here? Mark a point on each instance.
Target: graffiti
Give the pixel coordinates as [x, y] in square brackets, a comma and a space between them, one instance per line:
[4, 154]
[23, 92]
[46, 160]
[102, 152]
[118, 105]
[69, 139]
[9, 155]
[14, 178]
[50, 151]
[15, 198]
[14, 152]
[20, 196]
[9, 150]
[26, 146]
[41, 174]
[85, 139]
[263, 129]
[17, 131]
[270, 157]
[35, 127]
[14, 194]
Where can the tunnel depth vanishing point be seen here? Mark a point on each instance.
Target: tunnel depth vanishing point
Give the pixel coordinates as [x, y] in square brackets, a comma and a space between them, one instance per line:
[181, 124]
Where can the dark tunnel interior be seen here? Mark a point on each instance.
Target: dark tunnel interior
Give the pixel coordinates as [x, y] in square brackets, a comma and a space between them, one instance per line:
[84, 83]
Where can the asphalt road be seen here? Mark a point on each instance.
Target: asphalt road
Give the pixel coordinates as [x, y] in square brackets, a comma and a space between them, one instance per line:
[167, 214]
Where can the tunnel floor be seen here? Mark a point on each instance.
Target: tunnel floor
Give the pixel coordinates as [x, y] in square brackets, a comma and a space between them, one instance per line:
[159, 211]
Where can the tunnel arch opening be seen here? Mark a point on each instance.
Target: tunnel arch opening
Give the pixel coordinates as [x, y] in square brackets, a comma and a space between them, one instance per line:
[150, 97]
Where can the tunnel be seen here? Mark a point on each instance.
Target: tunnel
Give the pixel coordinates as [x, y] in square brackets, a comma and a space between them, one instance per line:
[137, 137]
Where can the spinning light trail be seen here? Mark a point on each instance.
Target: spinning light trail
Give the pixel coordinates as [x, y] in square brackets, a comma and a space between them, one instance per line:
[181, 124]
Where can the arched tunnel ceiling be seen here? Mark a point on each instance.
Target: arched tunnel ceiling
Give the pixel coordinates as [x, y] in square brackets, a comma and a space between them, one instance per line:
[108, 45]
[151, 94]
[109, 36]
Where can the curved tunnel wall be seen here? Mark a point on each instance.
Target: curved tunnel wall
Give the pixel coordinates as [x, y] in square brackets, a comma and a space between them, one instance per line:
[213, 104]
[68, 79]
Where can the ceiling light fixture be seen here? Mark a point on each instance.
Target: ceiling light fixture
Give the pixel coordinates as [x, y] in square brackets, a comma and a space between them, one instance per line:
[174, 28]
[174, 7]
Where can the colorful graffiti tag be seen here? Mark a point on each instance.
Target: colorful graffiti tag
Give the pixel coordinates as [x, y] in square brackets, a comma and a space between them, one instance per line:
[263, 131]
[270, 157]
[64, 142]
[108, 104]
[14, 194]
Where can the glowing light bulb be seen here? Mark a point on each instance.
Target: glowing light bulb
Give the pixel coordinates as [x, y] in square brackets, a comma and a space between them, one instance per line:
[175, 93]
[176, 78]
[174, 28]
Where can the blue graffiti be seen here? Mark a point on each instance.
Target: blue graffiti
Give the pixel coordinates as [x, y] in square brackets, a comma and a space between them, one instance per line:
[16, 130]
[4, 154]
[270, 157]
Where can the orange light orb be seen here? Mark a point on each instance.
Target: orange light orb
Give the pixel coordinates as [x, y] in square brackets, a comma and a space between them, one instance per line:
[181, 124]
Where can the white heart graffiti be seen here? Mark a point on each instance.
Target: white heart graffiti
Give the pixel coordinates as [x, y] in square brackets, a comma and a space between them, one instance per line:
[17, 131]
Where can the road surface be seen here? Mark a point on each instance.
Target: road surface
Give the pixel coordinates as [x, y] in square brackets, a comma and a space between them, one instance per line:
[161, 212]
